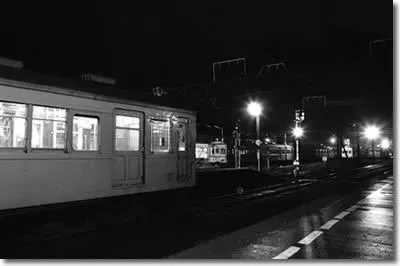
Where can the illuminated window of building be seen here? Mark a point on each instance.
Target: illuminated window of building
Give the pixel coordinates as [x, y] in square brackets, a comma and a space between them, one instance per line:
[85, 133]
[127, 133]
[182, 137]
[48, 127]
[12, 125]
[160, 136]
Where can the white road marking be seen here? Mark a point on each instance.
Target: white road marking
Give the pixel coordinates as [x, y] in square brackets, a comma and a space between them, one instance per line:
[310, 237]
[361, 201]
[287, 253]
[329, 224]
[341, 215]
[353, 208]
[385, 186]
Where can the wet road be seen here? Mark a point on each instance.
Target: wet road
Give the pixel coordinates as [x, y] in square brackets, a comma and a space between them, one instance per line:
[357, 226]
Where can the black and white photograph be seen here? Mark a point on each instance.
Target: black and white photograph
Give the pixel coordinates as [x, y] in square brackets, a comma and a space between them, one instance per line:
[198, 131]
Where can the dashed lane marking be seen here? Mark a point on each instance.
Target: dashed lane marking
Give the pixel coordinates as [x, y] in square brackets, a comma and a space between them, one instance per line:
[310, 237]
[341, 215]
[329, 224]
[353, 208]
[287, 253]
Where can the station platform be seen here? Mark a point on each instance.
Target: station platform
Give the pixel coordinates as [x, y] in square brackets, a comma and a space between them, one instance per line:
[357, 226]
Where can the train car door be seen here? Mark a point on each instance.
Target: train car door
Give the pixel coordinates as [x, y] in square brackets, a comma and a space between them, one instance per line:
[128, 148]
[182, 135]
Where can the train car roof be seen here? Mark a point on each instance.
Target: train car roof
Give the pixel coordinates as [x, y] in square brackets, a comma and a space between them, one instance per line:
[73, 87]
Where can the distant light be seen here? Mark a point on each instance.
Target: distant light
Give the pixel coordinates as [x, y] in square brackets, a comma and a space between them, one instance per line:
[298, 132]
[333, 140]
[267, 140]
[254, 109]
[347, 142]
[372, 132]
[385, 143]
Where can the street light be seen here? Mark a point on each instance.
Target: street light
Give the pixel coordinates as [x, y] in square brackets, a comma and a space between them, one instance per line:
[385, 143]
[255, 109]
[332, 140]
[372, 132]
[298, 133]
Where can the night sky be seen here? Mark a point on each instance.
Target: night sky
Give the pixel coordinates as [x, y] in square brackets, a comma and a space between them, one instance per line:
[324, 44]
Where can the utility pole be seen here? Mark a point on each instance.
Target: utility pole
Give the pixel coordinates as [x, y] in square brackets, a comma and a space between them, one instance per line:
[357, 127]
[236, 136]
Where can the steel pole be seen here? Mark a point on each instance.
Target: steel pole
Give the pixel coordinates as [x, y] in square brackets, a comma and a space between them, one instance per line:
[358, 144]
[258, 147]
[373, 150]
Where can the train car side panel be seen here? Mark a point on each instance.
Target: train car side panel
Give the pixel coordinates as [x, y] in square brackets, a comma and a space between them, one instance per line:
[88, 166]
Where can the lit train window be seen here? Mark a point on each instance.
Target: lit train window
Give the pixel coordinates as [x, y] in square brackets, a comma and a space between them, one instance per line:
[160, 136]
[85, 133]
[127, 133]
[12, 125]
[48, 127]
[182, 137]
[223, 151]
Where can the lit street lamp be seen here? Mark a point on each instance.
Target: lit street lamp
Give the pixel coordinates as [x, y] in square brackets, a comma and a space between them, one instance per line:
[298, 133]
[255, 109]
[332, 140]
[385, 144]
[372, 133]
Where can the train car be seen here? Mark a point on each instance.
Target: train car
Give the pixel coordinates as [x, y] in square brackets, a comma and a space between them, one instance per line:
[202, 154]
[278, 152]
[218, 153]
[330, 152]
[59, 144]
[211, 155]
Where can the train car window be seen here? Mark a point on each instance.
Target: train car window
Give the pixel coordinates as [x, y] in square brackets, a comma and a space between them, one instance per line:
[182, 137]
[223, 151]
[85, 133]
[216, 150]
[127, 133]
[160, 136]
[48, 127]
[12, 125]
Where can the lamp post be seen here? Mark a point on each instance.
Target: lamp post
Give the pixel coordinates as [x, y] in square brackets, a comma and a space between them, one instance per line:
[255, 109]
[372, 133]
[357, 126]
[297, 132]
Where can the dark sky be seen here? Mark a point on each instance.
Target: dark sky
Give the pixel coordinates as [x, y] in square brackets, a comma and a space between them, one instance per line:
[143, 44]
[174, 42]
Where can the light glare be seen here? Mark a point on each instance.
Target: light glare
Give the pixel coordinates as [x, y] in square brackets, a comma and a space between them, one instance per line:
[372, 132]
[298, 132]
[254, 108]
[385, 143]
